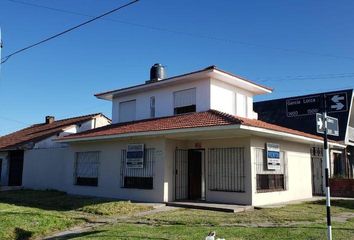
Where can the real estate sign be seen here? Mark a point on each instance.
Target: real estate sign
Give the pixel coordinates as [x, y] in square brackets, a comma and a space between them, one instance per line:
[135, 156]
[273, 156]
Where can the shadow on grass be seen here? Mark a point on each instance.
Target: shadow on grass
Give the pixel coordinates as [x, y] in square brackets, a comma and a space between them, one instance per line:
[48, 200]
[113, 236]
[348, 204]
[74, 235]
[21, 234]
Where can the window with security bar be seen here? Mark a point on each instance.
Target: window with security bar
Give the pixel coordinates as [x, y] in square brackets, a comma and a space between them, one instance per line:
[86, 168]
[226, 169]
[139, 178]
[269, 180]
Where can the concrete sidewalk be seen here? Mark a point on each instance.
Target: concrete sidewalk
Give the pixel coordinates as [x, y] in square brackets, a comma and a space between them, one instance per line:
[221, 207]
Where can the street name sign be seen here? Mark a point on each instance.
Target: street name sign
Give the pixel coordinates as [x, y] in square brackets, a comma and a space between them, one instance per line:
[303, 106]
[332, 125]
[310, 105]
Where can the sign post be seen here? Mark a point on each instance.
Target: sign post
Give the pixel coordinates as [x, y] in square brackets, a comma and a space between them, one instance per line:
[326, 159]
[325, 103]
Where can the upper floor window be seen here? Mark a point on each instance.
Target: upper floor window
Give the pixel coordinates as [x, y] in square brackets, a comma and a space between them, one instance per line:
[184, 101]
[127, 111]
[152, 106]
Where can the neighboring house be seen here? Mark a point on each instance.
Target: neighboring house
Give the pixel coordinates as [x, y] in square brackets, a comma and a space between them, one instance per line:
[341, 160]
[194, 136]
[26, 155]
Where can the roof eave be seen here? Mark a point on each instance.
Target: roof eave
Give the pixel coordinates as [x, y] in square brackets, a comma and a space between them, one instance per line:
[207, 72]
[288, 136]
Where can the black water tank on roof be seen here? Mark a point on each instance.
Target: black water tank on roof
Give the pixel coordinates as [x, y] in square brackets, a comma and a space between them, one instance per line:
[157, 72]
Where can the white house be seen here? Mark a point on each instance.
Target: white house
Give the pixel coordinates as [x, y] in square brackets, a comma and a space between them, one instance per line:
[194, 136]
[26, 156]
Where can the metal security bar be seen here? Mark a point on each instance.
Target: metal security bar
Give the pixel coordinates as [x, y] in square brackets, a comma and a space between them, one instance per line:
[138, 177]
[86, 168]
[181, 174]
[226, 169]
[277, 178]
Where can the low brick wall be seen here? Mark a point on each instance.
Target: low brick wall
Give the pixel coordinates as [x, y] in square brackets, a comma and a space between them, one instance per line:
[342, 187]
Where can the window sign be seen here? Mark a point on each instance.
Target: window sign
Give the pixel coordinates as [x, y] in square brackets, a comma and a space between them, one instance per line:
[273, 156]
[135, 156]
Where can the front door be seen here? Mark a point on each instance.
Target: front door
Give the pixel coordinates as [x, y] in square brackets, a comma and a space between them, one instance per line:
[15, 168]
[194, 174]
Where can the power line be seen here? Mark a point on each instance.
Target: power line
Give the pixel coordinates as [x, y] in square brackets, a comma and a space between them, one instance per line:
[194, 35]
[3, 60]
[309, 77]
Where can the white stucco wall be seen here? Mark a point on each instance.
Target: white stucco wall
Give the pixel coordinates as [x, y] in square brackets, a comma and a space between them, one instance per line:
[299, 173]
[47, 169]
[54, 169]
[230, 99]
[109, 171]
[164, 100]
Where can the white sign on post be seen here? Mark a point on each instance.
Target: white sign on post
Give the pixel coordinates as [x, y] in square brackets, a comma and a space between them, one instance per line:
[273, 156]
[135, 156]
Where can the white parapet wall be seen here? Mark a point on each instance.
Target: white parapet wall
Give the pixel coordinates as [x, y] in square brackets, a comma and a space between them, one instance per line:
[47, 169]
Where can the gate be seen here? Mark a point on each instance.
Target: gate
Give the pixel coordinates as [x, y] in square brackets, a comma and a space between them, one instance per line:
[317, 176]
[181, 174]
[317, 185]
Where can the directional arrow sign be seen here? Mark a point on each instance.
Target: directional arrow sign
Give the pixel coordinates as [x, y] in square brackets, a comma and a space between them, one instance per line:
[337, 102]
[332, 125]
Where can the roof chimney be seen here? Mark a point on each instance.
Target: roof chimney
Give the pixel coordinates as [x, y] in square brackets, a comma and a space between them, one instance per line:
[49, 119]
[157, 72]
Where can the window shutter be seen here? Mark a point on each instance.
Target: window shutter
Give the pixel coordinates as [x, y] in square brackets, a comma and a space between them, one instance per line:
[127, 111]
[184, 98]
[87, 164]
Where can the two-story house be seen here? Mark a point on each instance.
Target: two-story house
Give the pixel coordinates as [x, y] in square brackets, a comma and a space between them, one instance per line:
[194, 136]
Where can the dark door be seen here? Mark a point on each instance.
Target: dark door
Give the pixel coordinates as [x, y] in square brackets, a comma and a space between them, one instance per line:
[194, 174]
[15, 168]
[0, 168]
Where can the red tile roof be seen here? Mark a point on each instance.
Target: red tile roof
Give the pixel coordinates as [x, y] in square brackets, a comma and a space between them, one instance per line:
[40, 131]
[209, 118]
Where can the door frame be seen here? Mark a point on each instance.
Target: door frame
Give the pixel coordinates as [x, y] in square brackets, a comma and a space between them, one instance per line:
[178, 177]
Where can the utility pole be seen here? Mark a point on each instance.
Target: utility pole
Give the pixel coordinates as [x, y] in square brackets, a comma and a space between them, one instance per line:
[326, 176]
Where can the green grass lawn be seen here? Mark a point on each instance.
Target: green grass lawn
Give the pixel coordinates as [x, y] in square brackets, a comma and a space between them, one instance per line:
[29, 214]
[301, 221]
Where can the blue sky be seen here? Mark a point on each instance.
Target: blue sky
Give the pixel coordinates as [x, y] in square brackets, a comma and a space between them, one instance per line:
[296, 47]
